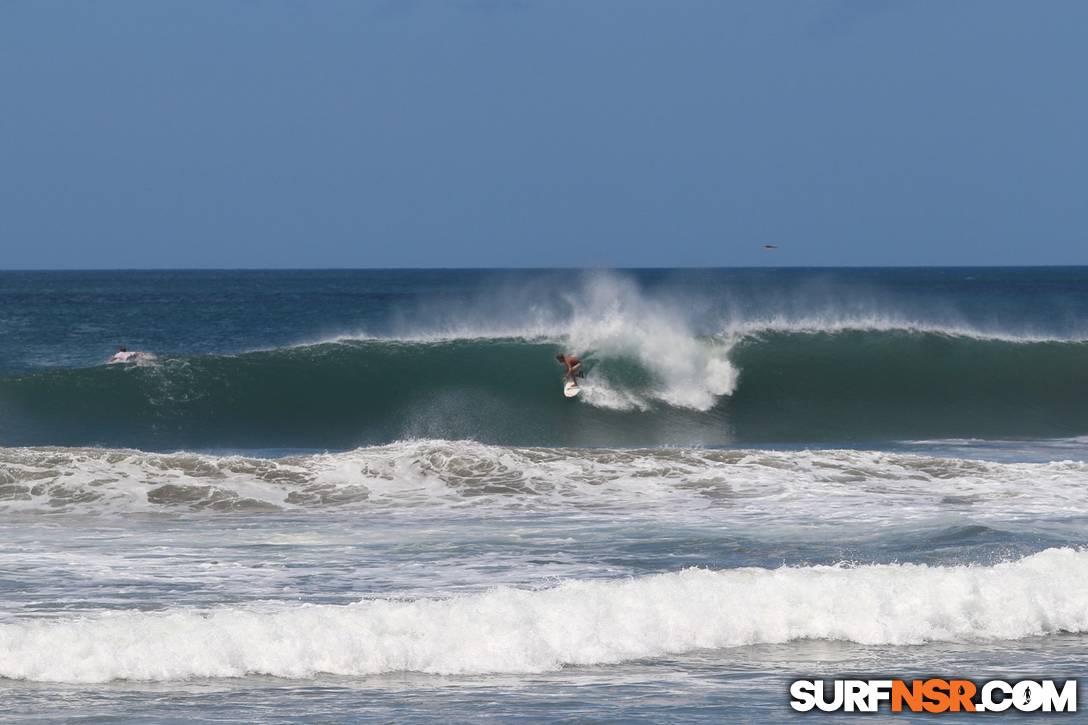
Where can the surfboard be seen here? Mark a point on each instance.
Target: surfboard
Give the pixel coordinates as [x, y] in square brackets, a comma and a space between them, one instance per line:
[570, 389]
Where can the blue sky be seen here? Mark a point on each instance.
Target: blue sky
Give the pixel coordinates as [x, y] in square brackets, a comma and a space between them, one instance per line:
[589, 133]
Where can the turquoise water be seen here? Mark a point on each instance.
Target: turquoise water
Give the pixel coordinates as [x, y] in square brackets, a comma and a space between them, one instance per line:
[362, 494]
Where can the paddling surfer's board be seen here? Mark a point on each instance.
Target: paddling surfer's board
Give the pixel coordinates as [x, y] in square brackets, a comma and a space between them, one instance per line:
[570, 389]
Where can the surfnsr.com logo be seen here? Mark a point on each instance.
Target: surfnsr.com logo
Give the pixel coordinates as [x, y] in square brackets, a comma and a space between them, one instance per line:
[933, 695]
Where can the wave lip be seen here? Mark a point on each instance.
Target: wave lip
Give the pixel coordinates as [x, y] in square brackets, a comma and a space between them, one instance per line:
[576, 623]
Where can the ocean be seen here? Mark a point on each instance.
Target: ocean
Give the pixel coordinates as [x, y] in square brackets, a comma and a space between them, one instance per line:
[345, 495]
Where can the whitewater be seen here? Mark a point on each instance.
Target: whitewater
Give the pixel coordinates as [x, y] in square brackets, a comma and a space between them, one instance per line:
[346, 495]
[575, 623]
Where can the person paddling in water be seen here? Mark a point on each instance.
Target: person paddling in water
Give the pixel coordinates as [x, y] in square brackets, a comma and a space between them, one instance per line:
[124, 355]
[573, 367]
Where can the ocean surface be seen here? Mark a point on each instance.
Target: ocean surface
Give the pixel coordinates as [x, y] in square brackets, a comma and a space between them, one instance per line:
[343, 495]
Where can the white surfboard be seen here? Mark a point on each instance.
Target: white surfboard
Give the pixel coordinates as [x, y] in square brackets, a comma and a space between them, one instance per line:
[570, 389]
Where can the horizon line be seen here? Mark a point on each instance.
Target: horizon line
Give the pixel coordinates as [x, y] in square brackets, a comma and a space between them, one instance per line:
[540, 268]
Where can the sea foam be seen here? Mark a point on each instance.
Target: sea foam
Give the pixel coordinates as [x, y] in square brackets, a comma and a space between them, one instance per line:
[582, 623]
[742, 485]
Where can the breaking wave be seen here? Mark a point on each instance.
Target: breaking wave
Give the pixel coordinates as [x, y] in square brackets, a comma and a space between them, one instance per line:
[746, 485]
[766, 385]
[577, 623]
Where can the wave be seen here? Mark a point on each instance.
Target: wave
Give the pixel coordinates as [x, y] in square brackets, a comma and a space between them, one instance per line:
[857, 384]
[747, 487]
[577, 623]
[759, 385]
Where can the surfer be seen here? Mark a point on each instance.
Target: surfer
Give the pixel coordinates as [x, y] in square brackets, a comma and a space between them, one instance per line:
[573, 367]
[124, 355]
